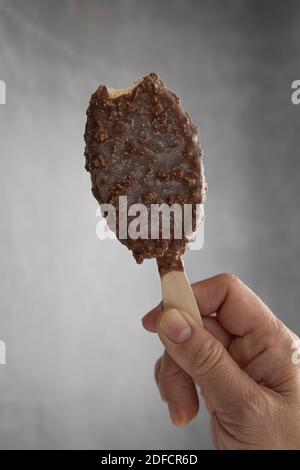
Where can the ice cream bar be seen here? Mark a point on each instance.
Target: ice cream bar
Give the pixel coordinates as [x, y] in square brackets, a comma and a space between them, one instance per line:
[141, 144]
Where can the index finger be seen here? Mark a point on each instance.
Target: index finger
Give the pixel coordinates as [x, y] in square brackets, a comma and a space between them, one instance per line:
[239, 310]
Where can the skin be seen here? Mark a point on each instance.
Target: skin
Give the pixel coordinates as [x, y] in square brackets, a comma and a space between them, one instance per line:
[245, 360]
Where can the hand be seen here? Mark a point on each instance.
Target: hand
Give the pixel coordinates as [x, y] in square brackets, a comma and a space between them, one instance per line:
[243, 360]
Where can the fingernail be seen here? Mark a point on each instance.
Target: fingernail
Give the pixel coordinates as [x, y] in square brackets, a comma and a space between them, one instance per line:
[174, 326]
[175, 414]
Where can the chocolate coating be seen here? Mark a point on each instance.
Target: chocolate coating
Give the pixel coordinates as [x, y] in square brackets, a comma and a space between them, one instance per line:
[143, 145]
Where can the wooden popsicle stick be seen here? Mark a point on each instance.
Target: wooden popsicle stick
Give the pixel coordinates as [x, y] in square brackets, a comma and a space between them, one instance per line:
[177, 293]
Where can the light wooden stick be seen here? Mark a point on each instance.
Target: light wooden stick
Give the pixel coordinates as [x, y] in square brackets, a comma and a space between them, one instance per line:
[177, 293]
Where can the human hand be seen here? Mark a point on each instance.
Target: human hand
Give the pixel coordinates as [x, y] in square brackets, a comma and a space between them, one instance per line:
[241, 360]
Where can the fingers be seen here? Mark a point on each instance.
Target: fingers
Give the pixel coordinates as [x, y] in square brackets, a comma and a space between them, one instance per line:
[238, 309]
[177, 389]
[243, 324]
[215, 329]
[211, 324]
[205, 359]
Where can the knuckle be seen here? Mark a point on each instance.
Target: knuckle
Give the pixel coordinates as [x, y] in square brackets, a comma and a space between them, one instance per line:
[230, 278]
[206, 357]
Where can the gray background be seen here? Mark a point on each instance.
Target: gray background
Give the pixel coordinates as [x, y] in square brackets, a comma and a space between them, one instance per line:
[79, 371]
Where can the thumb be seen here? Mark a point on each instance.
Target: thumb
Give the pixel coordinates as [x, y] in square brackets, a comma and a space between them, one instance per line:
[206, 360]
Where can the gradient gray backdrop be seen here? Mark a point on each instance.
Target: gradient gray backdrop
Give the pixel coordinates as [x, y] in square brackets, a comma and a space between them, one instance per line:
[79, 365]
